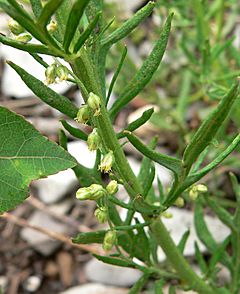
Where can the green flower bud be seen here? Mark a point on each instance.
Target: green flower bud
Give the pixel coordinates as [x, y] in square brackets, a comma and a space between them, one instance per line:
[109, 240]
[94, 102]
[52, 26]
[83, 115]
[167, 214]
[62, 73]
[107, 162]
[179, 202]
[202, 188]
[97, 192]
[112, 187]
[24, 38]
[83, 193]
[50, 74]
[15, 27]
[101, 214]
[94, 140]
[195, 190]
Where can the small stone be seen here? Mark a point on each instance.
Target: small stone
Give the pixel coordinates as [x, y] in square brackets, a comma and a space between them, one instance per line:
[39, 241]
[99, 272]
[32, 284]
[3, 284]
[95, 289]
[51, 269]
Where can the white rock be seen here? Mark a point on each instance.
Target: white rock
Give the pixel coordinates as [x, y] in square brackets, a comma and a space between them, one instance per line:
[32, 284]
[39, 241]
[183, 220]
[3, 283]
[55, 187]
[95, 289]
[12, 85]
[99, 272]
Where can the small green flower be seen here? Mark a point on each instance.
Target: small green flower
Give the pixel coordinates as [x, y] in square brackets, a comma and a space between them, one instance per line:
[50, 74]
[109, 240]
[101, 214]
[94, 140]
[112, 187]
[167, 214]
[107, 162]
[24, 38]
[94, 102]
[15, 27]
[179, 202]
[83, 115]
[195, 190]
[97, 192]
[52, 26]
[83, 193]
[62, 73]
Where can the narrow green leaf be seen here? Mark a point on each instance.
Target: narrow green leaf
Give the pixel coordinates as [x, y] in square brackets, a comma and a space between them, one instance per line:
[87, 32]
[73, 21]
[217, 254]
[115, 261]
[145, 73]
[137, 123]
[161, 191]
[137, 287]
[149, 181]
[129, 25]
[19, 9]
[48, 10]
[25, 155]
[77, 133]
[62, 139]
[90, 237]
[36, 7]
[143, 207]
[119, 67]
[200, 259]
[169, 162]
[46, 94]
[158, 287]
[31, 48]
[143, 250]
[219, 48]
[221, 213]
[182, 243]
[209, 127]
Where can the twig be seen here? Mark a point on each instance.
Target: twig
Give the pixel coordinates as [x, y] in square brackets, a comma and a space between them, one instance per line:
[57, 236]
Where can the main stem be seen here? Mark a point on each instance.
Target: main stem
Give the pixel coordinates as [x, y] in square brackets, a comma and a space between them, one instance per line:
[85, 71]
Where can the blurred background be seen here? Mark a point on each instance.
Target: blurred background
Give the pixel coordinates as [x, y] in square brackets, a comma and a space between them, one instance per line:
[201, 62]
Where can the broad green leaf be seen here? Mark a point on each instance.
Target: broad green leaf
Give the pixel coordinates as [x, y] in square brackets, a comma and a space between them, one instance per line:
[129, 25]
[137, 287]
[48, 10]
[87, 32]
[137, 123]
[145, 73]
[77, 133]
[169, 162]
[36, 7]
[73, 21]
[209, 127]
[25, 155]
[46, 94]
[90, 237]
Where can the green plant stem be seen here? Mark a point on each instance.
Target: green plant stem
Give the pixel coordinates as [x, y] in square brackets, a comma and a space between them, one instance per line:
[84, 70]
[177, 260]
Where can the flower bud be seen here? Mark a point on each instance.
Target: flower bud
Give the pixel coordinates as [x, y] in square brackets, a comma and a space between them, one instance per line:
[94, 140]
[62, 73]
[202, 188]
[15, 27]
[179, 202]
[112, 187]
[83, 193]
[109, 240]
[97, 192]
[52, 26]
[83, 115]
[50, 74]
[94, 102]
[24, 38]
[107, 162]
[167, 214]
[195, 190]
[101, 214]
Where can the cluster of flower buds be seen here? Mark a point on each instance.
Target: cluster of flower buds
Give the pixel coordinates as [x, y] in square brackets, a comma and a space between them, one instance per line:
[110, 240]
[94, 140]
[55, 71]
[93, 192]
[101, 214]
[107, 162]
[179, 202]
[195, 190]
[19, 32]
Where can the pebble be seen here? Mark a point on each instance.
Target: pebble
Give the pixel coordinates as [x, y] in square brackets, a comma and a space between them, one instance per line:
[95, 289]
[39, 241]
[3, 283]
[99, 272]
[32, 284]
